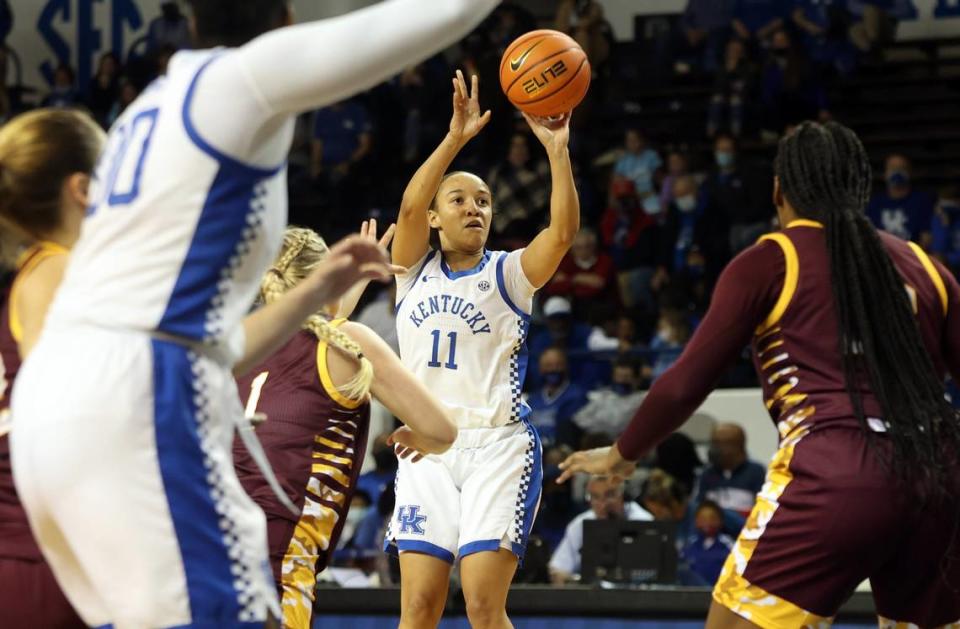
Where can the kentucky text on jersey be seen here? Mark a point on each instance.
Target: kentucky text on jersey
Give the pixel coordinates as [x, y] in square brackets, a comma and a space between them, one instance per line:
[459, 306]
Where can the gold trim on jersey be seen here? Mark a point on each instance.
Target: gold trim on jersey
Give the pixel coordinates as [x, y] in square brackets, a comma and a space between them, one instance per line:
[733, 591]
[790, 279]
[325, 378]
[26, 263]
[804, 222]
[933, 273]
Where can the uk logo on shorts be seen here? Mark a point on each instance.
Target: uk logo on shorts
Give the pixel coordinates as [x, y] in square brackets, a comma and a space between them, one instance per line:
[410, 519]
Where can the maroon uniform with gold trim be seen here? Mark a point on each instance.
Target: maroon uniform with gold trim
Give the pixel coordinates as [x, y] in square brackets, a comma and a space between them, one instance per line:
[829, 516]
[315, 440]
[29, 596]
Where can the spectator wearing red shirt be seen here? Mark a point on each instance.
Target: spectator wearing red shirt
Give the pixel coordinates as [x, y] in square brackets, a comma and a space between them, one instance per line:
[586, 276]
[630, 234]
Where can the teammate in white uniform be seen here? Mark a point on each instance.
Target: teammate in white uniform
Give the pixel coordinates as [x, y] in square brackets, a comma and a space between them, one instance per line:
[462, 319]
[123, 414]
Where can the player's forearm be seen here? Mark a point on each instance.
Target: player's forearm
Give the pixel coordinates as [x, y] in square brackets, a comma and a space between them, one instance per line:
[269, 327]
[341, 56]
[424, 184]
[564, 201]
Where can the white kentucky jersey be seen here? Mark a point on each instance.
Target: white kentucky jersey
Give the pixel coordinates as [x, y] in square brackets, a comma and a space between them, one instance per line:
[463, 334]
[177, 234]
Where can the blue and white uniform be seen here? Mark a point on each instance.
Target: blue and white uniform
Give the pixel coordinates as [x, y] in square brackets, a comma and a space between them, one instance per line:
[463, 334]
[124, 411]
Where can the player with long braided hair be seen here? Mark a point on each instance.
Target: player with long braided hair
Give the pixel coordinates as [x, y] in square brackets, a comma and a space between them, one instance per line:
[853, 332]
[315, 394]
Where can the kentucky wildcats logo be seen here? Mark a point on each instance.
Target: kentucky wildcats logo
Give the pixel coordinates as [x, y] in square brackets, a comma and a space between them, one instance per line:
[410, 519]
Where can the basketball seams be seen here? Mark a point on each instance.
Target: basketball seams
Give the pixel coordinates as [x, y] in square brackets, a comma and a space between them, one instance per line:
[559, 89]
[539, 63]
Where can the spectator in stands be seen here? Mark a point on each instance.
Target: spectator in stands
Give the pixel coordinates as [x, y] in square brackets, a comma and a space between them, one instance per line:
[739, 194]
[64, 90]
[755, 21]
[586, 275]
[731, 479]
[128, 94]
[946, 227]
[104, 88]
[678, 165]
[170, 28]
[613, 330]
[706, 550]
[630, 234]
[557, 505]
[901, 209]
[583, 20]
[342, 138]
[609, 409]
[520, 186]
[6, 22]
[681, 232]
[822, 25]
[704, 27]
[673, 332]
[607, 502]
[731, 88]
[874, 23]
[557, 401]
[667, 499]
[677, 456]
[791, 91]
[568, 334]
[638, 163]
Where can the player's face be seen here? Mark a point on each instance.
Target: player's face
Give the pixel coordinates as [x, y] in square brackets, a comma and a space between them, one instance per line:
[462, 213]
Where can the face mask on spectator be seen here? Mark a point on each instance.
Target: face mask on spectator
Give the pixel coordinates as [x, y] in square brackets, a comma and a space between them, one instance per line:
[724, 159]
[621, 388]
[651, 205]
[709, 530]
[553, 378]
[356, 514]
[898, 179]
[686, 203]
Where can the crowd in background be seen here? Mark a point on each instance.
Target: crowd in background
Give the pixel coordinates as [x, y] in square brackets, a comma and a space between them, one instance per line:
[661, 218]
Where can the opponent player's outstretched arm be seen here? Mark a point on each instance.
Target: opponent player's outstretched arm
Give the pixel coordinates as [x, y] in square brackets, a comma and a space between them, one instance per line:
[351, 260]
[431, 429]
[35, 294]
[542, 256]
[744, 296]
[310, 65]
[412, 238]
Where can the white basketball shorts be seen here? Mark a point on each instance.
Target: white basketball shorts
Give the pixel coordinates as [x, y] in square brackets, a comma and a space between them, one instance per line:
[121, 448]
[480, 495]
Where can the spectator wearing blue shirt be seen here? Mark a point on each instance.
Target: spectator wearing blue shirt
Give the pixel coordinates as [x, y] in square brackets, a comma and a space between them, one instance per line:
[901, 209]
[821, 24]
[731, 479]
[568, 334]
[374, 483]
[342, 137]
[64, 91]
[673, 332]
[705, 552]
[704, 28]
[638, 163]
[758, 19]
[946, 228]
[791, 91]
[555, 403]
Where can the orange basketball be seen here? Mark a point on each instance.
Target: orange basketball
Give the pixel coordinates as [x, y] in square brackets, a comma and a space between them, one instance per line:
[545, 73]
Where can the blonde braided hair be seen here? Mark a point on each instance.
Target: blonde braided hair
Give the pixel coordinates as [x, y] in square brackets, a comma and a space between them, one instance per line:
[302, 251]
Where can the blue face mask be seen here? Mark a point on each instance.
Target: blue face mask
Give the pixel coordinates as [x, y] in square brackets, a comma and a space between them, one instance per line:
[553, 378]
[724, 159]
[651, 205]
[686, 203]
[898, 179]
[621, 389]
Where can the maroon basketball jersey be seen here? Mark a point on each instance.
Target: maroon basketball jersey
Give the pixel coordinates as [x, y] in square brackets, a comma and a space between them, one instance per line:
[314, 438]
[16, 540]
[795, 348]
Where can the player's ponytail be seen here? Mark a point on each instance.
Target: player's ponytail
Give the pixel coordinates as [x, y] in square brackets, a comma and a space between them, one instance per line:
[302, 251]
[824, 173]
[39, 150]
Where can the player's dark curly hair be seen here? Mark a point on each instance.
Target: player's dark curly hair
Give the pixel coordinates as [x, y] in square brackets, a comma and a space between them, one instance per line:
[232, 23]
[824, 173]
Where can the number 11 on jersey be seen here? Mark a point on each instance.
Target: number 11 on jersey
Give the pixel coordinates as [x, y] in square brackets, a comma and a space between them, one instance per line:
[451, 357]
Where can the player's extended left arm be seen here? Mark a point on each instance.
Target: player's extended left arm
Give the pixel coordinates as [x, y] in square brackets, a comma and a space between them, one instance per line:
[542, 257]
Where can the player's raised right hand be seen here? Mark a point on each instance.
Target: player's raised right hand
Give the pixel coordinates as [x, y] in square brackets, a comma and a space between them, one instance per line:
[467, 120]
[354, 259]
